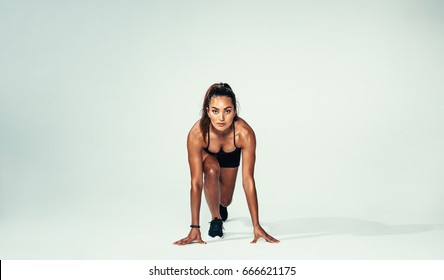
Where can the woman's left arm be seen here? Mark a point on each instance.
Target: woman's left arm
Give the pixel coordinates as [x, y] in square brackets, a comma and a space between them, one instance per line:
[248, 162]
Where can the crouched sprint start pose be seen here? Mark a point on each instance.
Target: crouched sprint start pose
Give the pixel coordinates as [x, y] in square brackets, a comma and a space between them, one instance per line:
[216, 143]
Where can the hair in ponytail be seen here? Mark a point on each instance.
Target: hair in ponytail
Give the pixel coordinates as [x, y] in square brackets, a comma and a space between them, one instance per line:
[218, 89]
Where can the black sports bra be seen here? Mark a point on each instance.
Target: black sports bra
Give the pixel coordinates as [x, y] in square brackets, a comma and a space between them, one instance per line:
[226, 160]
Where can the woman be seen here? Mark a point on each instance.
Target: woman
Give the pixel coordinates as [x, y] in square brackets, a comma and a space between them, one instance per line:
[215, 144]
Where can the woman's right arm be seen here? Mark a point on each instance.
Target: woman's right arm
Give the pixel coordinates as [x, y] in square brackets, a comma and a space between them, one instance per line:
[195, 161]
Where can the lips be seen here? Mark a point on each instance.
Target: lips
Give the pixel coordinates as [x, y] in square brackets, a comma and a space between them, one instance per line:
[220, 124]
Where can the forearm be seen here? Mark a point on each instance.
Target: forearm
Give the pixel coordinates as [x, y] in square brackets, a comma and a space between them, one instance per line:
[251, 196]
[195, 201]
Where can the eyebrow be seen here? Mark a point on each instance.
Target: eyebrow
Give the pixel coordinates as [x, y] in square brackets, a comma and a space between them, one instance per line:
[229, 107]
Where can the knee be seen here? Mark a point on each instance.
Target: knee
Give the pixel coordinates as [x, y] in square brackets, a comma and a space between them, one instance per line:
[211, 171]
[225, 202]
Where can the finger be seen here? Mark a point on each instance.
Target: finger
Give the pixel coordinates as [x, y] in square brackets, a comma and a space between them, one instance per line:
[255, 239]
[178, 242]
[182, 241]
[271, 239]
[187, 240]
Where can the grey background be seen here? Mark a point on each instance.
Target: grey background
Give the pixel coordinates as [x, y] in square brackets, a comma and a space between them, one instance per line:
[97, 97]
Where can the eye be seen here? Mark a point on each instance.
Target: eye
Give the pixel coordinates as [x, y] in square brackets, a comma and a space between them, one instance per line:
[214, 111]
[228, 111]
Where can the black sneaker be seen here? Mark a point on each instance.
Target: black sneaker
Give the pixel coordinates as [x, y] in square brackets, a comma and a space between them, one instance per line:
[223, 212]
[216, 228]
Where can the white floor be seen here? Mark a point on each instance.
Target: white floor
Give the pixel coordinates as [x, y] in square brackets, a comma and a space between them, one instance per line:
[152, 238]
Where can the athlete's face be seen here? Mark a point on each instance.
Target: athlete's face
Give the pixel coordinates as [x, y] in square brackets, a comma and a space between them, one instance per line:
[221, 112]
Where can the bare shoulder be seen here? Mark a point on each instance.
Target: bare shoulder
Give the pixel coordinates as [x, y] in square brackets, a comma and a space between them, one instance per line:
[245, 133]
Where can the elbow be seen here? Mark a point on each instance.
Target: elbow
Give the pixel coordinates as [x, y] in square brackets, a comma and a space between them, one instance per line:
[196, 185]
[248, 182]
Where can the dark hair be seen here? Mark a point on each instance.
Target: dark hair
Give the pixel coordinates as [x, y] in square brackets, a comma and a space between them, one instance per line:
[218, 89]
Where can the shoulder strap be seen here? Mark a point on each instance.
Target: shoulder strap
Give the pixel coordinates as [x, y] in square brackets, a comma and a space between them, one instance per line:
[208, 137]
[234, 135]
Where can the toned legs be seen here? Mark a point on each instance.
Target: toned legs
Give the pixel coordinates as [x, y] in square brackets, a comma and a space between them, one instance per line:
[227, 182]
[218, 184]
[211, 171]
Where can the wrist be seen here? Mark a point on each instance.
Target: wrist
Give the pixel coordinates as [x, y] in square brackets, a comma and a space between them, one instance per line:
[194, 226]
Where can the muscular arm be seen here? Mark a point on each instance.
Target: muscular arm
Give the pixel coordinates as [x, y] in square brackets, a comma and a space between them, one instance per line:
[195, 161]
[248, 162]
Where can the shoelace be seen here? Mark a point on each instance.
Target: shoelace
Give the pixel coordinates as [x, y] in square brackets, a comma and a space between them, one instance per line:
[218, 227]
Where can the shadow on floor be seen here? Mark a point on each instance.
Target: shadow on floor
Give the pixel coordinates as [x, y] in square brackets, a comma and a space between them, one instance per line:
[299, 228]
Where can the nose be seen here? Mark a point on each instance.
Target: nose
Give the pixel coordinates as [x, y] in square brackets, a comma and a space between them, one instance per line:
[221, 117]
